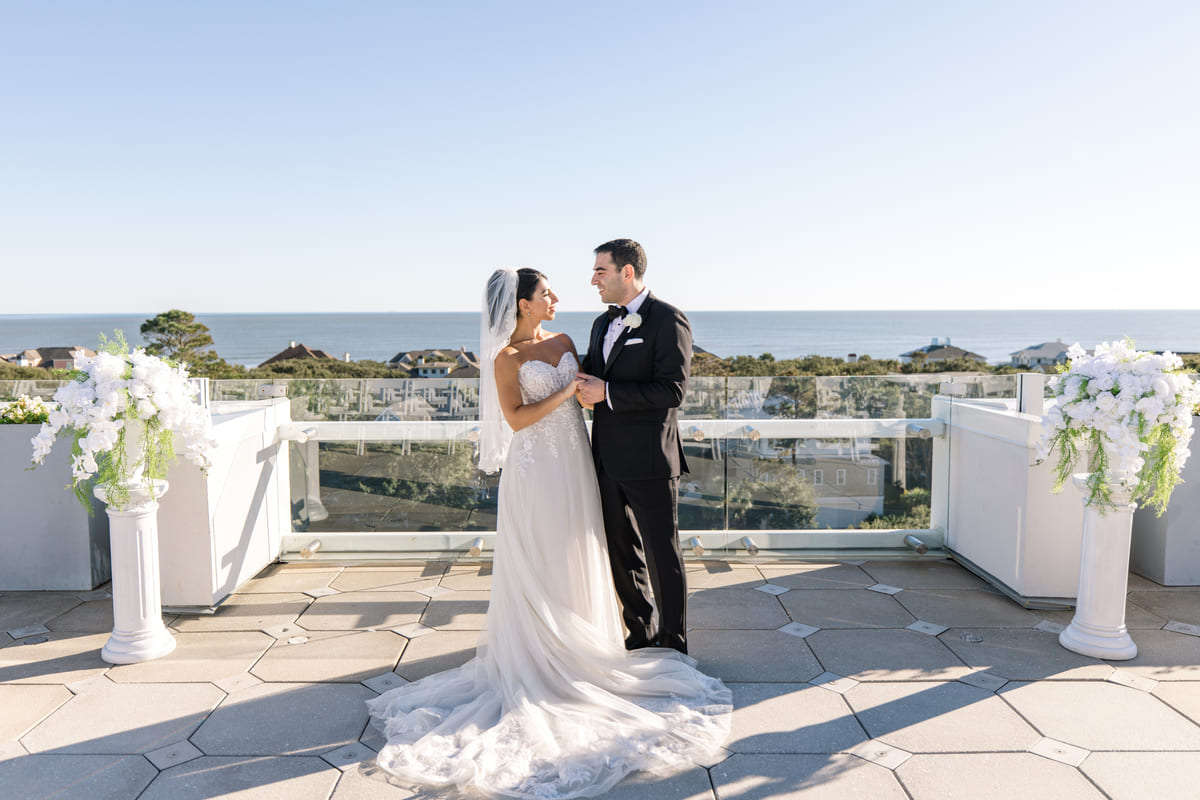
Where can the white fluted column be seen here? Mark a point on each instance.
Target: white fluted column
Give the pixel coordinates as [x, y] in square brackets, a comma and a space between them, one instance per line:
[1098, 628]
[138, 630]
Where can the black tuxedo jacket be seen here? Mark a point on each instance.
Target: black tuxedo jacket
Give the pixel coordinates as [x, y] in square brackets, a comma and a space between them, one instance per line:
[647, 373]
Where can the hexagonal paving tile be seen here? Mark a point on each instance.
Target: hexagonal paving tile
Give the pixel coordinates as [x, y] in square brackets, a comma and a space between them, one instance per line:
[92, 617]
[26, 706]
[260, 778]
[818, 576]
[1023, 654]
[993, 776]
[1178, 606]
[751, 656]
[290, 581]
[334, 656]
[457, 611]
[692, 784]
[1138, 776]
[742, 609]
[922, 574]
[803, 777]
[389, 579]
[922, 717]
[966, 608]
[21, 609]
[62, 658]
[199, 657]
[294, 719]
[886, 655]
[1086, 714]
[367, 783]
[78, 777]
[248, 612]
[791, 718]
[1162, 655]
[1135, 617]
[1183, 696]
[435, 652]
[124, 718]
[718, 575]
[469, 578]
[846, 608]
[363, 610]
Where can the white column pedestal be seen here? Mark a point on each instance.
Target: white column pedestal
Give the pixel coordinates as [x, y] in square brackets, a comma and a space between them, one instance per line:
[138, 630]
[1098, 628]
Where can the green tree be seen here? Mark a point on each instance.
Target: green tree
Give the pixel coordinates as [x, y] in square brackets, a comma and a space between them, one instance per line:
[176, 335]
[784, 502]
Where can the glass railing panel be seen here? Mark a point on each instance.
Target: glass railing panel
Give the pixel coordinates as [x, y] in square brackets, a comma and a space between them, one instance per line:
[391, 487]
[805, 483]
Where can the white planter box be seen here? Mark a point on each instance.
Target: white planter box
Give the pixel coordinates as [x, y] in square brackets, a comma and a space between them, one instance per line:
[47, 540]
[1166, 549]
[1002, 519]
[217, 531]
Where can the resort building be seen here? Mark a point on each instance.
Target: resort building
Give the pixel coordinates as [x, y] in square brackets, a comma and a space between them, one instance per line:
[939, 350]
[1040, 356]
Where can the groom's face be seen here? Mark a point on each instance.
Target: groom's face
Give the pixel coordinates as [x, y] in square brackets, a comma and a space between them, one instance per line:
[609, 279]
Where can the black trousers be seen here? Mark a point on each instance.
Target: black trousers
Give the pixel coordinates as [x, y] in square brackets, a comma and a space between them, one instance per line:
[641, 520]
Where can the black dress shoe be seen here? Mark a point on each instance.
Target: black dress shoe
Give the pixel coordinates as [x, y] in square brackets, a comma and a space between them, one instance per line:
[673, 640]
[637, 643]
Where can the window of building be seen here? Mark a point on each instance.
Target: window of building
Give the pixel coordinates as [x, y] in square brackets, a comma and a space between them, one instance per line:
[872, 477]
[841, 477]
[818, 477]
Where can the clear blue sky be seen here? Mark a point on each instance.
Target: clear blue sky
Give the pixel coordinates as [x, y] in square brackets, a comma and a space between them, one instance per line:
[386, 155]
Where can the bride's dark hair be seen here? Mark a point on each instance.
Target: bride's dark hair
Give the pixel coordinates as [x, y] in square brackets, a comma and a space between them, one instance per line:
[527, 281]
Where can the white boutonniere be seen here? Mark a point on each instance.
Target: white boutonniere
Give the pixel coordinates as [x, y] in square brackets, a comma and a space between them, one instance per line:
[632, 320]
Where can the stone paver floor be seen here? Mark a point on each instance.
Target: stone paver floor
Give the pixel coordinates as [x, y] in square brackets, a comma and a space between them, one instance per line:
[882, 679]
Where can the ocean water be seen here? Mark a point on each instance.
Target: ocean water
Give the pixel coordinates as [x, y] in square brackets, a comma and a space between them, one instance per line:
[253, 338]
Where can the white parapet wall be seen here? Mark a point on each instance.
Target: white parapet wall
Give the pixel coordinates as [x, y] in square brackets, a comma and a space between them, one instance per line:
[47, 539]
[217, 531]
[1001, 515]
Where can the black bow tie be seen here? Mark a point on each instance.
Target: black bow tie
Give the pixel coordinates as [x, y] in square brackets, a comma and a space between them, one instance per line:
[617, 311]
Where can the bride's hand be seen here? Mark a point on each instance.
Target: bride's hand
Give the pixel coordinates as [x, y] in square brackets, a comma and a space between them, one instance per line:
[577, 391]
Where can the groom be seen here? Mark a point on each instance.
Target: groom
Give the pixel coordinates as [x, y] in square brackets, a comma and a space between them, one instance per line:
[635, 374]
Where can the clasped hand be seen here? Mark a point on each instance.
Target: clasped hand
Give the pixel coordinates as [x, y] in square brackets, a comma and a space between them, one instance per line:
[591, 389]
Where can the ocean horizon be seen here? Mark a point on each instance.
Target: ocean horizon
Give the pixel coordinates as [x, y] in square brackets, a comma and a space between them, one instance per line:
[251, 338]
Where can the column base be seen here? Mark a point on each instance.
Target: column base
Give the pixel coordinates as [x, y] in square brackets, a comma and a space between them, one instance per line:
[133, 648]
[1110, 644]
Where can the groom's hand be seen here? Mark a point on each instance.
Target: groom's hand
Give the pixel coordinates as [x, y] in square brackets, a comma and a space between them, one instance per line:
[591, 391]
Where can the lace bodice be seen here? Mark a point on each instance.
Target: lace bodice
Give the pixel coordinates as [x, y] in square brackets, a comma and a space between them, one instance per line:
[562, 426]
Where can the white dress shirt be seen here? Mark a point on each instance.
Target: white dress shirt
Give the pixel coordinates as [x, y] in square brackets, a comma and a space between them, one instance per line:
[615, 326]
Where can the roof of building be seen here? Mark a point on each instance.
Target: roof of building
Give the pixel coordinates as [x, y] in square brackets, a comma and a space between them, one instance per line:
[297, 351]
[456, 355]
[1044, 350]
[942, 352]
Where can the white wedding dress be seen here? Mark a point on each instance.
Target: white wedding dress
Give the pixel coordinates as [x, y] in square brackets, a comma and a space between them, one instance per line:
[552, 706]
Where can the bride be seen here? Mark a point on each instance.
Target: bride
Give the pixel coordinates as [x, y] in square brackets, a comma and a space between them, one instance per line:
[552, 705]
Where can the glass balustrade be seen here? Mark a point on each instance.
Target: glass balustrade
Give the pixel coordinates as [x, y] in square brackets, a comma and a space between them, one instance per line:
[784, 460]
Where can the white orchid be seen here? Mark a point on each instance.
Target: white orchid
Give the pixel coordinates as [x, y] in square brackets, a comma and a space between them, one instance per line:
[110, 389]
[1130, 411]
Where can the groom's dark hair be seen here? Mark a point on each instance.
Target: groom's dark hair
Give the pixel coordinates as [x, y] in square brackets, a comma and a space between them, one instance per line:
[625, 251]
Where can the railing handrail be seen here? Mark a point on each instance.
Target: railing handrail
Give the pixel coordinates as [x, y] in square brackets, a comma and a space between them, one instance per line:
[695, 428]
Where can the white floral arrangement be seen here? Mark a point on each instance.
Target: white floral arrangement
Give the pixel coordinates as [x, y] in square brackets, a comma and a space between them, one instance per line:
[109, 390]
[632, 320]
[1130, 412]
[25, 410]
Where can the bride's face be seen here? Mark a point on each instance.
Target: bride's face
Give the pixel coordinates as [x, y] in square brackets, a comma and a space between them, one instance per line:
[542, 303]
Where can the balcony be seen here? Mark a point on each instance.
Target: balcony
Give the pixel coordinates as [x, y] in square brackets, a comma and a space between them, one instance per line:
[859, 665]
